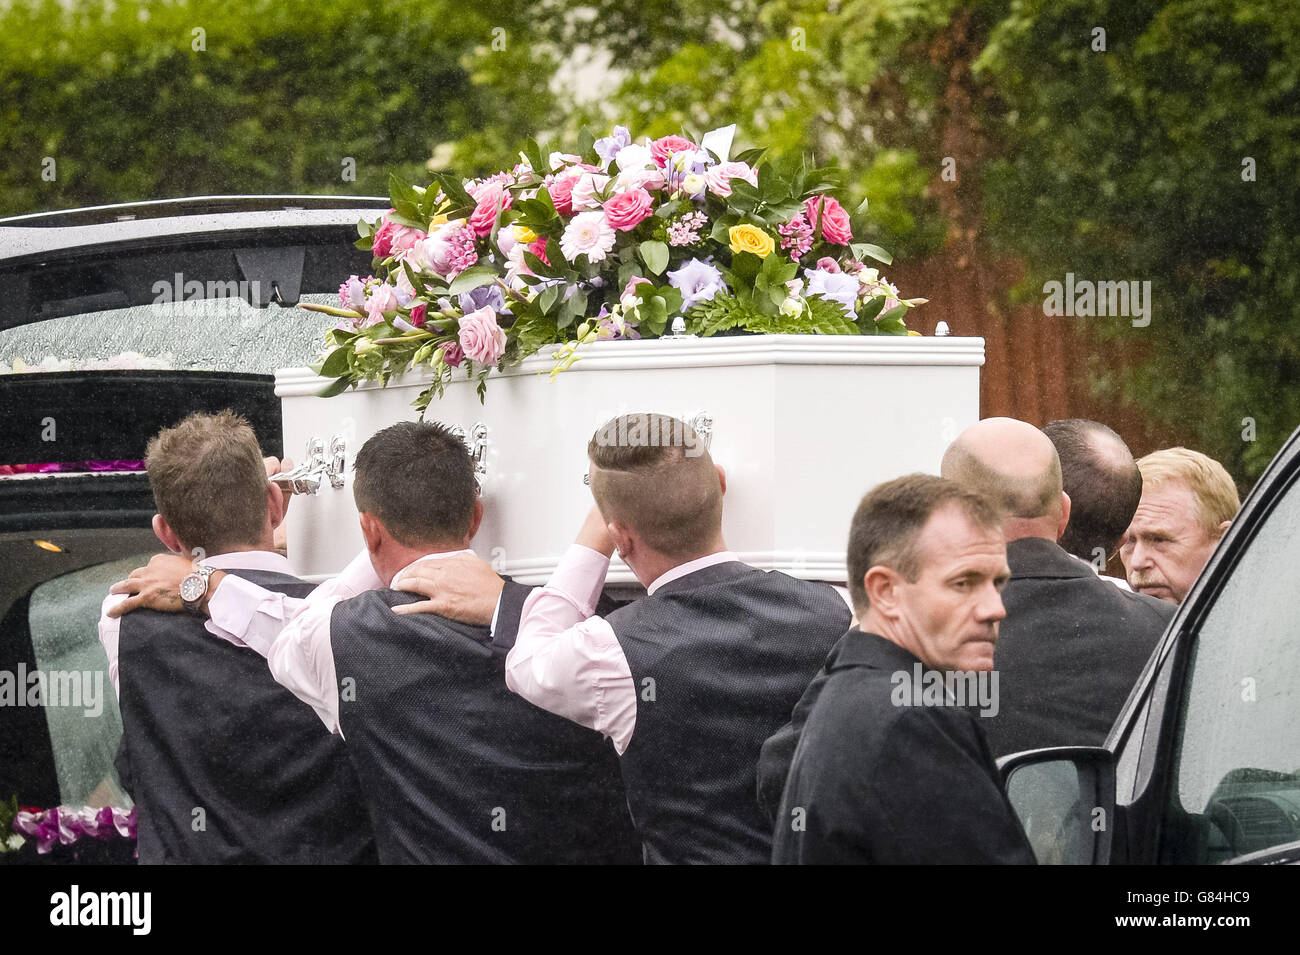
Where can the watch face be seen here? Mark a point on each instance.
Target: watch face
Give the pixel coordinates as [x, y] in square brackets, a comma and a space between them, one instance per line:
[193, 588]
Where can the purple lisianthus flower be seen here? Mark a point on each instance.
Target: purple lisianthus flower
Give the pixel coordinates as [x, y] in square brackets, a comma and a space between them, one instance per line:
[352, 294]
[698, 281]
[489, 295]
[834, 287]
[607, 147]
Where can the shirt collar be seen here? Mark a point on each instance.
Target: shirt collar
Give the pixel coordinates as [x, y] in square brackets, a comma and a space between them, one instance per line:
[690, 567]
[250, 560]
[437, 556]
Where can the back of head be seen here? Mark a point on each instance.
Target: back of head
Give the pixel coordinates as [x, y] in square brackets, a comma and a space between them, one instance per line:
[1208, 480]
[1103, 481]
[1011, 463]
[417, 478]
[652, 474]
[889, 520]
[209, 482]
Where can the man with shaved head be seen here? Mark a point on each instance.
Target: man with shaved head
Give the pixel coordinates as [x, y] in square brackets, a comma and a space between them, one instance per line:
[689, 681]
[1072, 645]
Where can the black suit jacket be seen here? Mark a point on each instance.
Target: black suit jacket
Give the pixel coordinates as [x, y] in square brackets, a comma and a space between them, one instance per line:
[876, 781]
[1069, 651]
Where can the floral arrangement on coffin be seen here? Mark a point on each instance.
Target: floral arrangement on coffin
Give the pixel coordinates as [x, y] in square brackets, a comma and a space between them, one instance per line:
[612, 242]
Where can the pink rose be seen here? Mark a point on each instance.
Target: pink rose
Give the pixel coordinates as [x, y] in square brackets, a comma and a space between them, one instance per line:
[382, 299]
[538, 248]
[626, 210]
[718, 178]
[665, 146]
[584, 193]
[382, 241]
[629, 293]
[418, 314]
[491, 197]
[481, 336]
[827, 264]
[453, 354]
[561, 190]
[835, 221]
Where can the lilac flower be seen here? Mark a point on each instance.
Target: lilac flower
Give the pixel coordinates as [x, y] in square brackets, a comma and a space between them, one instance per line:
[834, 287]
[475, 299]
[698, 281]
[796, 235]
[607, 147]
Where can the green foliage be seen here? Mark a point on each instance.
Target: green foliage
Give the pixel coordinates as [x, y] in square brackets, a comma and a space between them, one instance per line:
[282, 94]
[1128, 165]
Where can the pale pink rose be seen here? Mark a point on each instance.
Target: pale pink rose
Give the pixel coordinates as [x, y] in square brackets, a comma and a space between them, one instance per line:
[383, 298]
[626, 210]
[584, 195]
[629, 293]
[633, 179]
[481, 336]
[718, 178]
[835, 221]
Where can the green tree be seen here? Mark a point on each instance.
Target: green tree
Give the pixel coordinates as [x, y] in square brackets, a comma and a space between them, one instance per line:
[137, 100]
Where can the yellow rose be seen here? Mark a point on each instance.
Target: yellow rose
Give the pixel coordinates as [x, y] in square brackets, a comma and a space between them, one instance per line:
[914, 333]
[523, 234]
[750, 238]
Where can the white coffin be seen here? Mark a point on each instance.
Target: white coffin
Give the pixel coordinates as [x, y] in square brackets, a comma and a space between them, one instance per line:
[803, 424]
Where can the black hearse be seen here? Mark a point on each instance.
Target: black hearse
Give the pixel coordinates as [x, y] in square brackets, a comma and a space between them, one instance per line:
[180, 306]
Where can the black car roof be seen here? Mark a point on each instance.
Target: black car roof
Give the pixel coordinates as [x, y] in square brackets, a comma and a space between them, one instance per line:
[105, 257]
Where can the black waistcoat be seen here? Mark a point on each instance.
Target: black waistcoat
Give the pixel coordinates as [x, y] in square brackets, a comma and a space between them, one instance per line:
[719, 659]
[227, 765]
[455, 767]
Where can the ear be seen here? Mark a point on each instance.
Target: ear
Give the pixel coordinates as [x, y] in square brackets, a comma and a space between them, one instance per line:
[373, 532]
[1223, 529]
[476, 520]
[881, 584]
[275, 507]
[1065, 515]
[163, 531]
[625, 540]
[722, 477]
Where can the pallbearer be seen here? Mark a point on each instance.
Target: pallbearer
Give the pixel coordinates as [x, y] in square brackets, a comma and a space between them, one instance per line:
[454, 767]
[224, 764]
[690, 680]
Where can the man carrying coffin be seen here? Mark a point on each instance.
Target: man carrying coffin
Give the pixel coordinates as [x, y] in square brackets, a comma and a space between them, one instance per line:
[223, 763]
[691, 679]
[454, 767]
[891, 766]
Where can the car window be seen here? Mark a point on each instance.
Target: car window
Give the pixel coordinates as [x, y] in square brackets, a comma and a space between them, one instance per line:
[210, 334]
[1237, 764]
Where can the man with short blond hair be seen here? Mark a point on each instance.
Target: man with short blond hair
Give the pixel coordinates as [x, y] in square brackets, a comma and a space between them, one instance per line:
[224, 764]
[1188, 501]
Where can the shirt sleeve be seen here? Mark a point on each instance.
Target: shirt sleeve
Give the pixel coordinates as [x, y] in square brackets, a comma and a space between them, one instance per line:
[568, 661]
[301, 656]
[110, 632]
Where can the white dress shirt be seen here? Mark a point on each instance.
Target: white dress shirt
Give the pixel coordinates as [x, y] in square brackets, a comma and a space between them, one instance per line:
[294, 634]
[110, 628]
[568, 661]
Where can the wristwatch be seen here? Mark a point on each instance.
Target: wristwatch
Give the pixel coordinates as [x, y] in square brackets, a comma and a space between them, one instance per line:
[194, 588]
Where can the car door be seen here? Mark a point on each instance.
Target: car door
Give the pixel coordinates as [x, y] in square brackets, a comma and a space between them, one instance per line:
[1203, 765]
